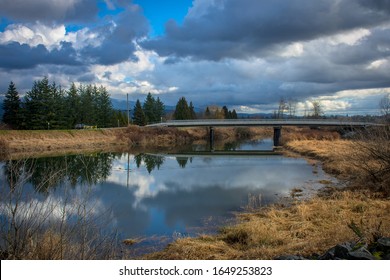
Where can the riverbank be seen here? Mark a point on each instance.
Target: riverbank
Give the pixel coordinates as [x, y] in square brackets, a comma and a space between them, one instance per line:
[355, 210]
[16, 144]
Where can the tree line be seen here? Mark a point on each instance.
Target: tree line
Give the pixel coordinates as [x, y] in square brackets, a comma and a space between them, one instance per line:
[152, 111]
[48, 106]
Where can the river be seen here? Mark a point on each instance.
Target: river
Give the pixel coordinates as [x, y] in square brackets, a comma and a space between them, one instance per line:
[157, 197]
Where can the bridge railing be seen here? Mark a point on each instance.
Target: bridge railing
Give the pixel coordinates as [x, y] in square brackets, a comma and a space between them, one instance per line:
[264, 122]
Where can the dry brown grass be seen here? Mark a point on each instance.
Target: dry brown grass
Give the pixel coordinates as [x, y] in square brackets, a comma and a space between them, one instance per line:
[304, 133]
[334, 154]
[305, 228]
[58, 140]
[19, 144]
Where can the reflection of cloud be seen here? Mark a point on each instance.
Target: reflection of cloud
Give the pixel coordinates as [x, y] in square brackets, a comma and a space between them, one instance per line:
[227, 173]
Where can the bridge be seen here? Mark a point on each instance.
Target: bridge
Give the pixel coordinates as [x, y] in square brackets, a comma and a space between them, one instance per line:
[276, 124]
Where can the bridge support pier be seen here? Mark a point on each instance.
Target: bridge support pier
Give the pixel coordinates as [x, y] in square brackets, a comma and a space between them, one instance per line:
[277, 135]
[211, 135]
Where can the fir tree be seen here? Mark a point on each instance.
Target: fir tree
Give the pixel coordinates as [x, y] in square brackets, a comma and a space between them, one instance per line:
[192, 111]
[40, 104]
[149, 108]
[12, 106]
[225, 112]
[160, 109]
[104, 108]
[139, 115]
[73, 107]
[207, 113]
[182, 111]
[234, 114]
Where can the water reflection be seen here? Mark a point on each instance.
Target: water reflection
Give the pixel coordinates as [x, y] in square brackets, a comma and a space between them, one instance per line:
[158, 195]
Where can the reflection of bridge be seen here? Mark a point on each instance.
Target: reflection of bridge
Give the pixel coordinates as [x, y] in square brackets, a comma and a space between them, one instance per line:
[276, 124]
[239, 153]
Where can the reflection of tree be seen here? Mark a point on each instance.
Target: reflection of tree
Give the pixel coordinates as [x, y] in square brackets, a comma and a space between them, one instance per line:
[151, 162]
[182, 161]
[13, 172]
[46, 173]
[232, 146]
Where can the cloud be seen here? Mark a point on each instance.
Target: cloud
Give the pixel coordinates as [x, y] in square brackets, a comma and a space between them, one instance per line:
[22, 56]
[33, 34]
[26, 46]
[249, 28]
[49, 10]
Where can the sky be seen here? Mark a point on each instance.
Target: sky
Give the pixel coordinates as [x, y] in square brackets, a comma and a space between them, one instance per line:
[245, 54]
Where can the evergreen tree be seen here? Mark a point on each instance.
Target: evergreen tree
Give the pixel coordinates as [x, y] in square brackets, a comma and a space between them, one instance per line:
[153, 108]
[12, 106]
[42, 105]
[87, 113]
[225, 112]
[207, 113]
[104, 110]
[192, 111]
[160, 109]
[57, 110]
[139, 115]
[149, 109]
[234, 114]
[182, 111]
[120, 118]
[73, 107]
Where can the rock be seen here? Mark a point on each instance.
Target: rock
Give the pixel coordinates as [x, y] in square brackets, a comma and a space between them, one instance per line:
[384, 243]
[360, 254]
[329, 255]
[386, 257]
[342, 250]
[290, 258]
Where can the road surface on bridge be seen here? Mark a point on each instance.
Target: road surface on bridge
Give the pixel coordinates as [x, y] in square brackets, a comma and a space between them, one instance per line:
[261, 122]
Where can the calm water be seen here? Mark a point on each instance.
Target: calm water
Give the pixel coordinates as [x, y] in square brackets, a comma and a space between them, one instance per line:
[152, 196]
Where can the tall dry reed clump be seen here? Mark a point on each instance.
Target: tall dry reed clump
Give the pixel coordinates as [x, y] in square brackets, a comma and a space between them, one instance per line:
[49, 227]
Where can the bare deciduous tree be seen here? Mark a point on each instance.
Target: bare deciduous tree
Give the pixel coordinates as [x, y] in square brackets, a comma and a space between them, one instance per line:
[292, 107]
[384, 105]
[317, 109]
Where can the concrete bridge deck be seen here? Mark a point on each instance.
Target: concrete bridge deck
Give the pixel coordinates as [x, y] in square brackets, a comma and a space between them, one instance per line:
[261, 122]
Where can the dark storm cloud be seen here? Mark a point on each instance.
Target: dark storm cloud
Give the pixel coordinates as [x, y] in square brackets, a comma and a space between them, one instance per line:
[373, 47]
[247, 28]
[22, 56]
[380, 5]
[49, 10]
[118, 43]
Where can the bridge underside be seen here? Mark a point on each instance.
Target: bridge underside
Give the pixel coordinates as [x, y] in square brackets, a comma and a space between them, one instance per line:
[277, 136]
